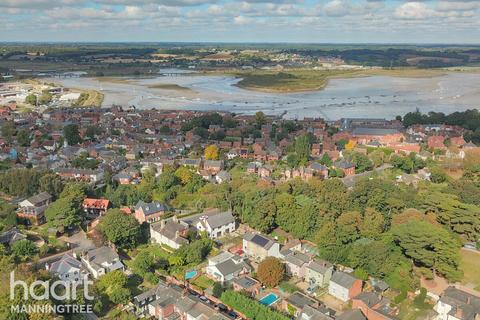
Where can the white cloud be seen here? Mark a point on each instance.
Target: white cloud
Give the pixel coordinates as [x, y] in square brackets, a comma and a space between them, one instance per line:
[336, 8]
[414, 11]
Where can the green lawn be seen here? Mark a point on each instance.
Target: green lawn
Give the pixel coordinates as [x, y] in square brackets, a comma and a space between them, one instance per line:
[203, 282]
[409, 312]
[470, 264]
[155, 249]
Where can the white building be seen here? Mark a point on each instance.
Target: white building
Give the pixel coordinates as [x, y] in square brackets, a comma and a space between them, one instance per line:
[344, 286]
[68, 269]
[217, 225]
[102, 260]
[226, 266]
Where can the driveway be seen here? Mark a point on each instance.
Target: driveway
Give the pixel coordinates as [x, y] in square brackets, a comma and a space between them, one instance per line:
[79, 241]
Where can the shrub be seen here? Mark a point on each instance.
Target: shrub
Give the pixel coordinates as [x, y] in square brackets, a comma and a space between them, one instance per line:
[252, 309]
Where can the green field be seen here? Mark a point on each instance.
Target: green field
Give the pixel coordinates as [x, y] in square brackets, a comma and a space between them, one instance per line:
[470, 264]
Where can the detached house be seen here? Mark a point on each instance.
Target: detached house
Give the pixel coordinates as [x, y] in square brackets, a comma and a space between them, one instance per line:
[259, 246]
[11, 236]
[226, 267]
[172, 233]
[68, 269]
[34, 207]
[149, 212]
[344, 286]
[102, 260]
[95, 207]
[217, 224]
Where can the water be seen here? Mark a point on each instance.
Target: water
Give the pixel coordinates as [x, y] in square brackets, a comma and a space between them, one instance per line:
[376, 96]
[269, 299]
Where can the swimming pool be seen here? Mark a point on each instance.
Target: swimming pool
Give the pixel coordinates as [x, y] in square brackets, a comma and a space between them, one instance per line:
[190, 274]
[269, 299]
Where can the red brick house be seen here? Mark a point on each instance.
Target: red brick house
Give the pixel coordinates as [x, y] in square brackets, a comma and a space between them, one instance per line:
[149, 212]
[373, 306]
[347, 167]
[95, 207]
[436, 142]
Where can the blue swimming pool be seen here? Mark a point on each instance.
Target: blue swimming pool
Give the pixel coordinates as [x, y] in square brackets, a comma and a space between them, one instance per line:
[190, 274]
[269, 299]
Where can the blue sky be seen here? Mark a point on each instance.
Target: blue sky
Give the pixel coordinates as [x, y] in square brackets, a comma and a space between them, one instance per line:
[314, 21]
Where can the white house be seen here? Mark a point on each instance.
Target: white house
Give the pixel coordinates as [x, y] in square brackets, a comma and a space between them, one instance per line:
[102, 260]
[344, 286]
[226, 266]
[217, 224]
[68, 269]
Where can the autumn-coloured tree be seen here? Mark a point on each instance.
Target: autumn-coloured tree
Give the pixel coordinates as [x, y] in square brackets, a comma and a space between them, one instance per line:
[271, 271]
[211, 152]
[350, 145]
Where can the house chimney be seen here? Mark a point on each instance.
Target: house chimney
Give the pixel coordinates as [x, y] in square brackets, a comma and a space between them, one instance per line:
[162, 223]
[175, 218]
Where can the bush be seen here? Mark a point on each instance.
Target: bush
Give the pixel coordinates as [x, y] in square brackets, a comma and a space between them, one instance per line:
[252, 309]
[217, 290]
[419, 300]
[361, 274]
[401, 297]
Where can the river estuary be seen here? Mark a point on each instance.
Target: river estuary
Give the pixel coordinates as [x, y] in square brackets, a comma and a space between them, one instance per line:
[375, 96]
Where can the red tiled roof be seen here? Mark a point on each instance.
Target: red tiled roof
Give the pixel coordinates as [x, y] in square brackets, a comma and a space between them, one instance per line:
[96, 203]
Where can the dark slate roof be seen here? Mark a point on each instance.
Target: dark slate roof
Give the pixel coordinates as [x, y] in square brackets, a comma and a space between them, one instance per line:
[319, 266]
[245, 282]
[229, 266]
[465, 306]
[343, 164]
[300, 300]
[11, 236]
[373, 131]
[354, 314]
[317, 166]
[220, 219]
[343, 279]
[259, 240]
[312, 313]
[151, 208]
[41, 197]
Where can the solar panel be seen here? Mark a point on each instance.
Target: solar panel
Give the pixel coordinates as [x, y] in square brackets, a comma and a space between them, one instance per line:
[259, 240]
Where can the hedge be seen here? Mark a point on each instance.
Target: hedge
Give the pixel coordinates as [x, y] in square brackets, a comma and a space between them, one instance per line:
[252, 309]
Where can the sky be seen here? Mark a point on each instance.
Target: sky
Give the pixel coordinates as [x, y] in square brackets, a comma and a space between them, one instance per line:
[302, 21]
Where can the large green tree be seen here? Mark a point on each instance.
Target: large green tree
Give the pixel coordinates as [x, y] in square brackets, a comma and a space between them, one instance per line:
[72, 134]
[429, 246]
[120, 228]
